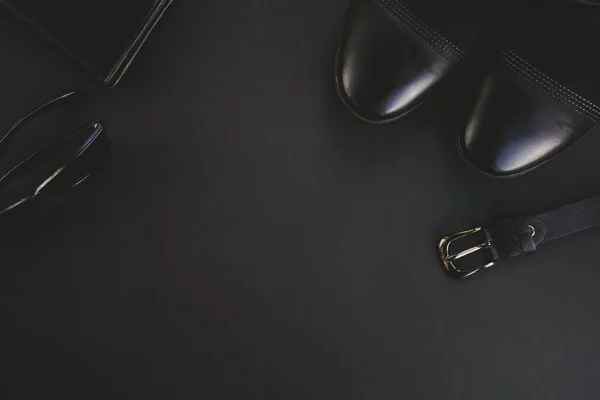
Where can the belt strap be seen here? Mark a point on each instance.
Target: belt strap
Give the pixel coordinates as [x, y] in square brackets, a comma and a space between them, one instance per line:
[514, 237]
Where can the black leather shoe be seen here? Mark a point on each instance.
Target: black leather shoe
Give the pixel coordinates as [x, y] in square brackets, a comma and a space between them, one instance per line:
[543, 92]
[393, 52]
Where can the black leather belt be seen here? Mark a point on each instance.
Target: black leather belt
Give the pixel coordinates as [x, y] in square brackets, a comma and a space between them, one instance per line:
[514, 237]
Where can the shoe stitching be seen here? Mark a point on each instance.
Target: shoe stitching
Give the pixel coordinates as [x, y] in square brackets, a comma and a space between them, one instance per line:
[433, 38]
[420, 29]
[543, 76]
[433, 34]
[548, 90]
[548, 83]
[557, 95]
[551, 87]
[438, 42]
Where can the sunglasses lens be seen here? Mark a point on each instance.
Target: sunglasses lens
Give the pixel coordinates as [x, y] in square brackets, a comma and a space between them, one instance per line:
[86, 149]
[55, 168]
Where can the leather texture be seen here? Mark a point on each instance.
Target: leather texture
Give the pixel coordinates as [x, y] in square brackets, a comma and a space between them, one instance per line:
[541, 94]
[392, 53]
[102, 35]
[515, 237]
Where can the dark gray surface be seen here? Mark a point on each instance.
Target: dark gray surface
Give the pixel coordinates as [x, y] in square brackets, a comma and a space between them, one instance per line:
[251, 239]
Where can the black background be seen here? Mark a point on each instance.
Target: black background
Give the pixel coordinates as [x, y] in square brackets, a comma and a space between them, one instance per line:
[251, 239]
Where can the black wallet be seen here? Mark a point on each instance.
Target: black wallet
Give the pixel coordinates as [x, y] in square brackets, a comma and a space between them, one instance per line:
[102, 35]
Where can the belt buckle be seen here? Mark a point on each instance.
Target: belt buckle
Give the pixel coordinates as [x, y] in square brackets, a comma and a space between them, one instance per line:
[449, 259]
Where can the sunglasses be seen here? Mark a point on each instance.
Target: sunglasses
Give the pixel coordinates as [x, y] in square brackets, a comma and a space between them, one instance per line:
[51, 170]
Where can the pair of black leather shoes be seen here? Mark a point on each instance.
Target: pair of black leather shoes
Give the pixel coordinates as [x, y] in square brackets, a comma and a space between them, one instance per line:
[538, 91]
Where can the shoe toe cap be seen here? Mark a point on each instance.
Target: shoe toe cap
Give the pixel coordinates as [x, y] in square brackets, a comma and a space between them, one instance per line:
[515, 127]
[383, 70]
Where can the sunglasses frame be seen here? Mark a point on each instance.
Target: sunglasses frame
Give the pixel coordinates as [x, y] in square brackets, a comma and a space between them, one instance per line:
[95, 139]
